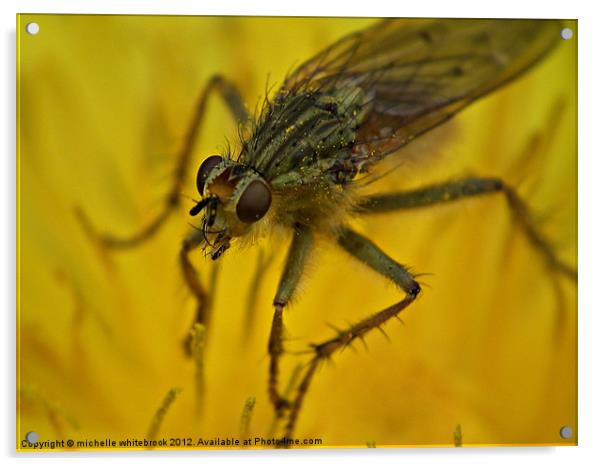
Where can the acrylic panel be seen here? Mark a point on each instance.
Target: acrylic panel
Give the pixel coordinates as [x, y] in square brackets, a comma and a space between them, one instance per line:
[253, 232]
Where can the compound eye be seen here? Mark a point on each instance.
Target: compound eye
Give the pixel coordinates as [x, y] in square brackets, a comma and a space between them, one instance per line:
[208, 164]
[254, 202]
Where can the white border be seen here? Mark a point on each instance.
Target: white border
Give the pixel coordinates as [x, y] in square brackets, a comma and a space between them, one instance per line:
[590, 154]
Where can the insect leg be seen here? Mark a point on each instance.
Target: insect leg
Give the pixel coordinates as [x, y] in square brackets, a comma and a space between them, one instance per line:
[202, 296]
[295, 263]
[367, 252]
[234, 101]
[468, 187]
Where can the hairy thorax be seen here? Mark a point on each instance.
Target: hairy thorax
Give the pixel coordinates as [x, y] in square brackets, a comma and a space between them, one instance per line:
[302, 145]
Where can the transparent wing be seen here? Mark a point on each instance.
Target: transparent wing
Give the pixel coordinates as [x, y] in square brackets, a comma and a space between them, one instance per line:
[418, 73]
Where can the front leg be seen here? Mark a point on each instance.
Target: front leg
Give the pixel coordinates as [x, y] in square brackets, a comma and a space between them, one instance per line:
[367, 252]
[193, 282]
[300, 248]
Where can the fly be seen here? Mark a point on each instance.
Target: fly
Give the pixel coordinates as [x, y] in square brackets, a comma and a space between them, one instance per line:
[330, 123]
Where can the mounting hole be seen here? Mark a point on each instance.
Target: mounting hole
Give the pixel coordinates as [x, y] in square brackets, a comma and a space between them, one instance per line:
[32, 437]
[32, 28]
[566, 432]
[566, 33]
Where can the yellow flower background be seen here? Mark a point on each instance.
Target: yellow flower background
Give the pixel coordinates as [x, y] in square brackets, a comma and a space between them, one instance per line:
[490, 346]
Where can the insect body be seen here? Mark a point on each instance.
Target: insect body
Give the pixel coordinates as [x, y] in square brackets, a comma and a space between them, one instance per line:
[353, 104]
[334, 118]
[301, 148]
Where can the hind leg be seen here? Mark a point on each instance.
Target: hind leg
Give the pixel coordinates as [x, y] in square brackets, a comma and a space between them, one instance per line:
[465, 188]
